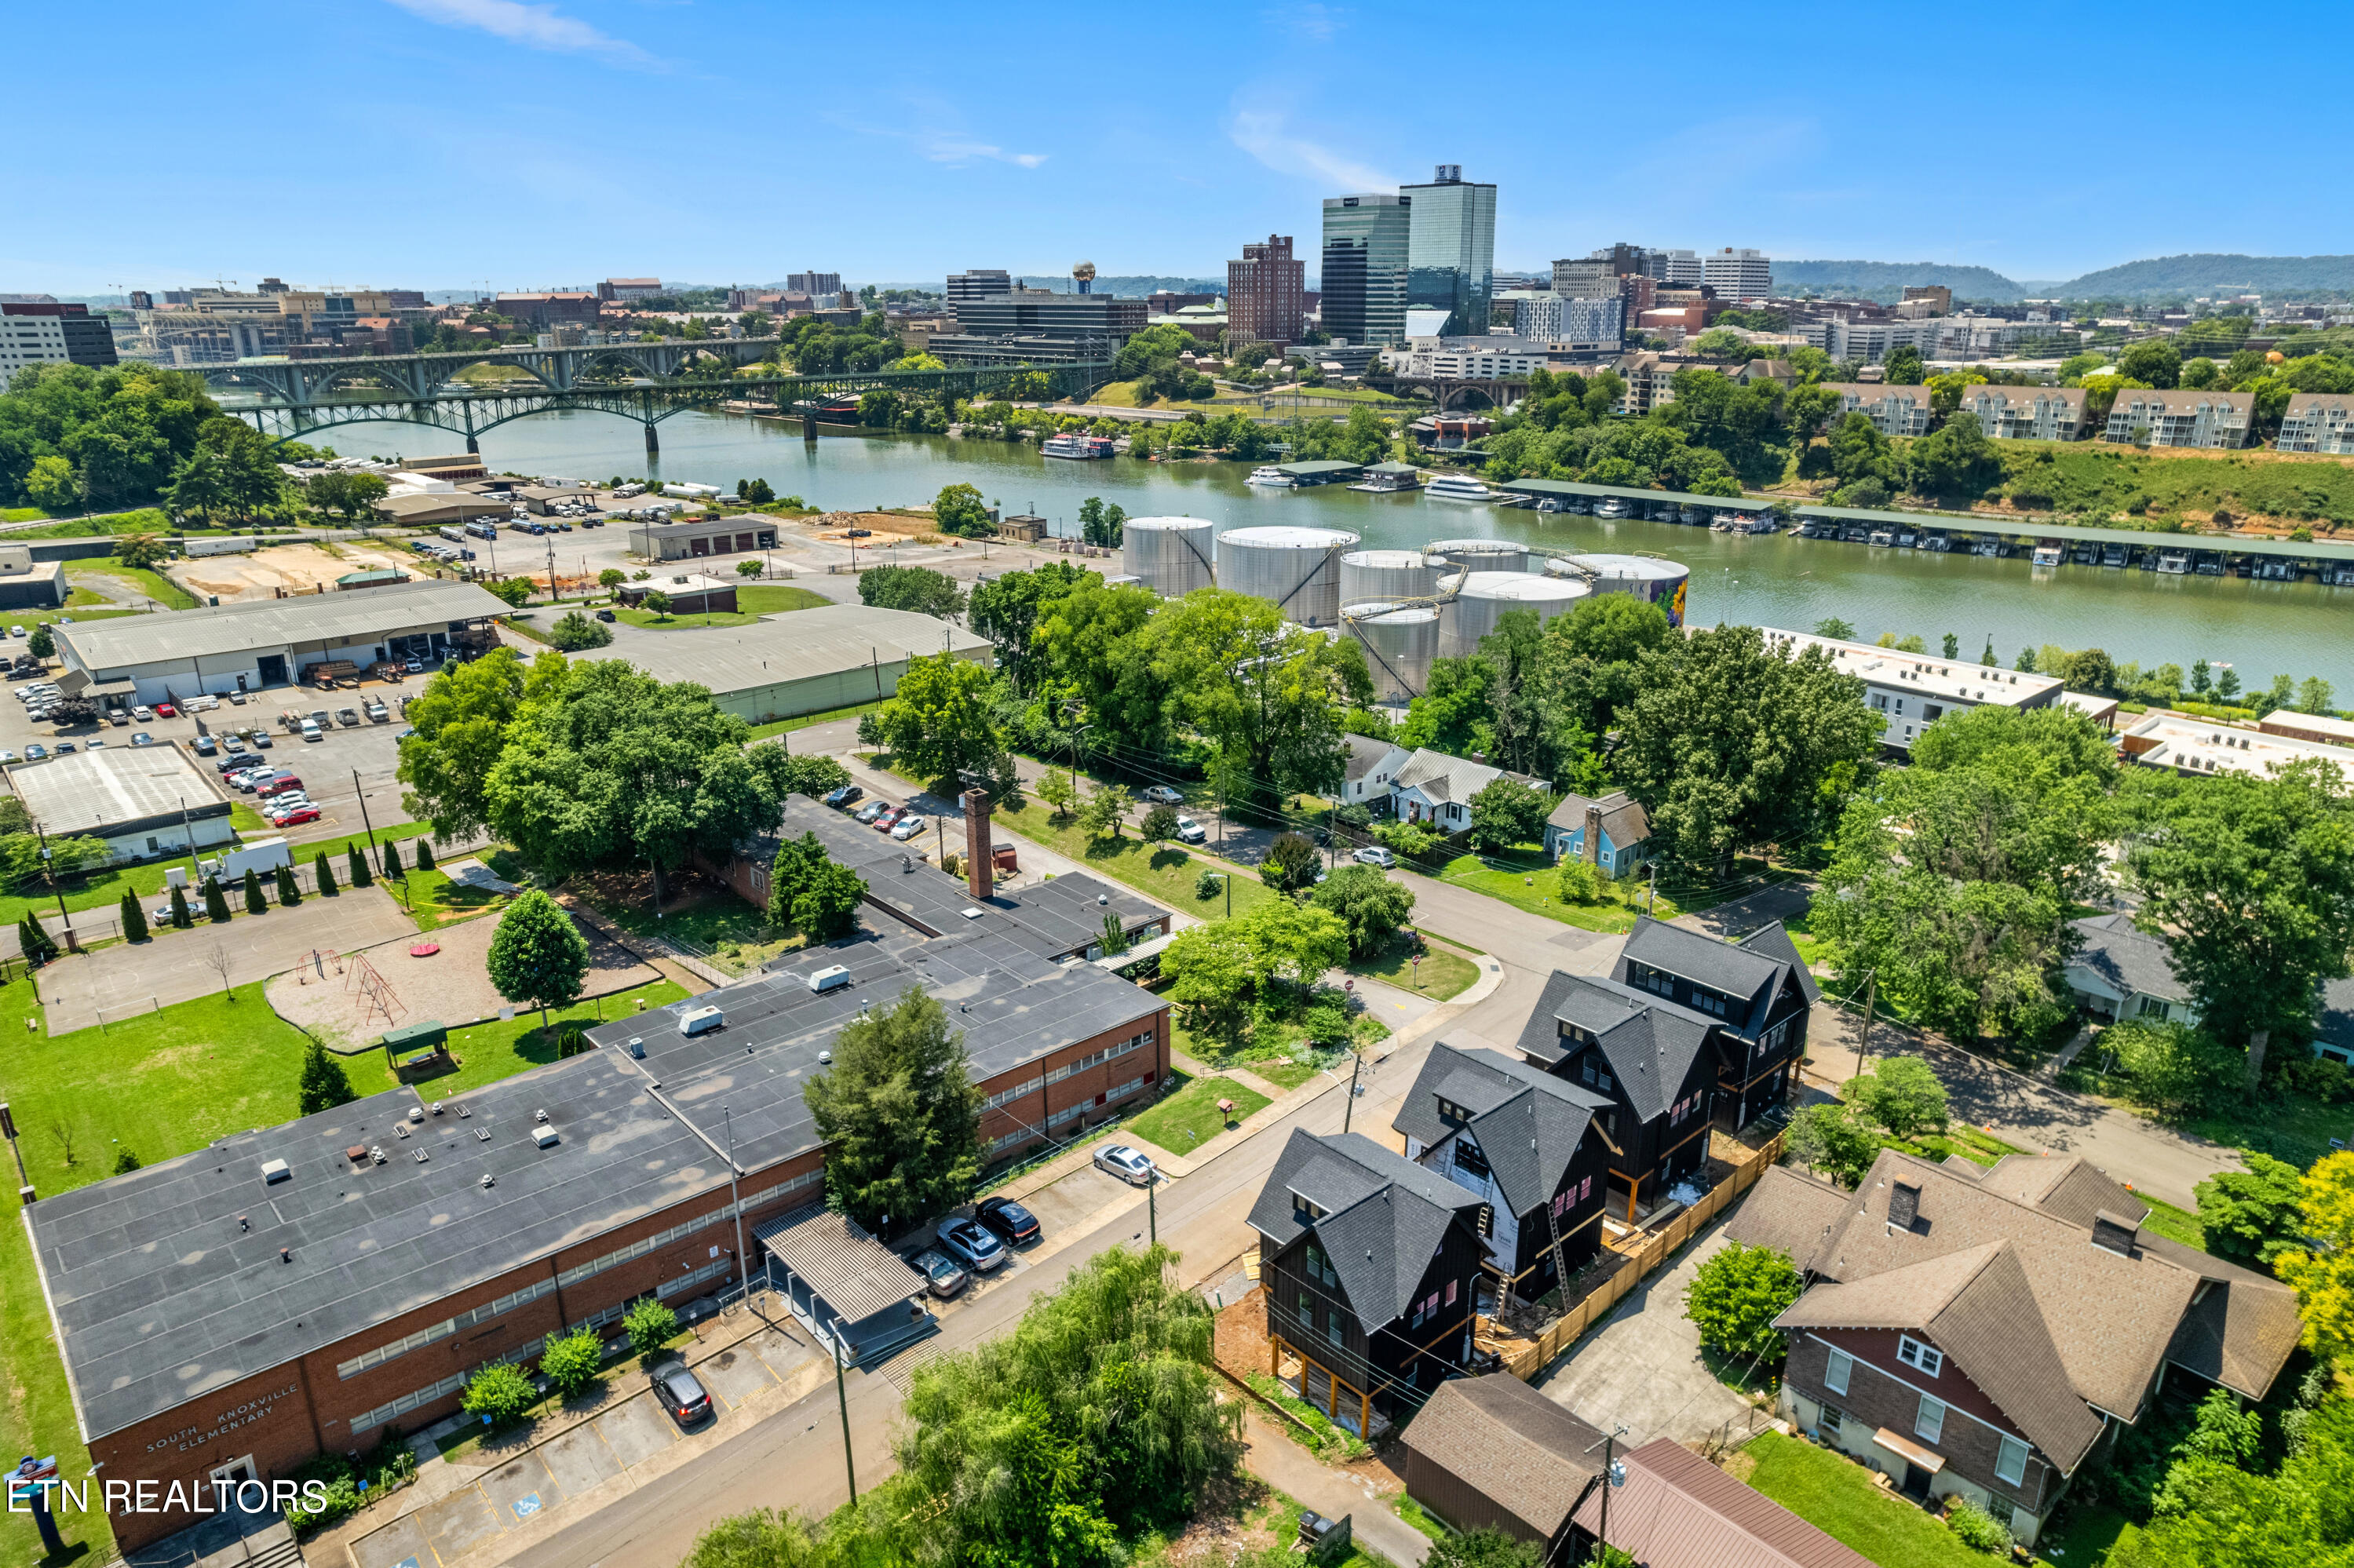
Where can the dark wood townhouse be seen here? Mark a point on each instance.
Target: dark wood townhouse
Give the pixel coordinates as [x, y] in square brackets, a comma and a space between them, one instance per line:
[1371, 1265]
[1688, 1032]
[1986, 1334]
[1528, 1144]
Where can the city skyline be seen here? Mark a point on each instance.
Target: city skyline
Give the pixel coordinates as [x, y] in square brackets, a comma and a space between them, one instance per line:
[553, 116]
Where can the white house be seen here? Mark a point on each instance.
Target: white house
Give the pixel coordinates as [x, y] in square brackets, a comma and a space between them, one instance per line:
[2122, 973]
[1611, 834]
[1373, 764]
[1435, 790]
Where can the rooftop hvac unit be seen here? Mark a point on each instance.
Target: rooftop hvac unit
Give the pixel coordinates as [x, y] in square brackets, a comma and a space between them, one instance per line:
[545, 1138]
[275, 1171]
[700, 1020]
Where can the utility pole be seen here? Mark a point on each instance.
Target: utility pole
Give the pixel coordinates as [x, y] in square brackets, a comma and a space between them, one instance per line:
[1152, 1210]
[1863, 1040]
[375, 847]
[1654, 892]
[842, 1397]
[1347, 1111]
[49, 871]
[8, 1130]
[1614, 1474]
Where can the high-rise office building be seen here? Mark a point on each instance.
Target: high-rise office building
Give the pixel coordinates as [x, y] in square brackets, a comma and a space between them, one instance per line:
[1451, 250]
[1738, 274]
[1681, 267]
[977, 284]
[1366, 240]
[814, 282]
[36, 332]
[1263, 294]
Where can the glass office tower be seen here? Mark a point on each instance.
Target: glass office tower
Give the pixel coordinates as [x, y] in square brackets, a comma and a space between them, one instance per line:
[1364, 266]
[1451, 250]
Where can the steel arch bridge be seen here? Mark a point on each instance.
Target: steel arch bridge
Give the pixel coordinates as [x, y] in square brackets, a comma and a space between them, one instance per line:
[472, 412]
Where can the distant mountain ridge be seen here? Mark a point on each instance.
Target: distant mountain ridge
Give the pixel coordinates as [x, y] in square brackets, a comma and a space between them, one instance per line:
[1886, 280]
[2163, 277]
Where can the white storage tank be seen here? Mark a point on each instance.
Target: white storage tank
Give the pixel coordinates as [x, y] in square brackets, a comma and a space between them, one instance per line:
[1399, 642]
[1484, 555]
[1296, 569]
[1485, 595]
[1368, 574]
[1651, 578]
[1170, 555]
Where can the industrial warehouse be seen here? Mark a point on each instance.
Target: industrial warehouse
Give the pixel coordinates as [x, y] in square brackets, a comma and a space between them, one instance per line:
[808, 662]
[250, 644]
[310, 1286]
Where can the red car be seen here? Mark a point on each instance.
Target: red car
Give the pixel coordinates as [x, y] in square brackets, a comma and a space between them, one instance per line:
[166, 710]
[888, 820]
[299, 814]
[281, 784]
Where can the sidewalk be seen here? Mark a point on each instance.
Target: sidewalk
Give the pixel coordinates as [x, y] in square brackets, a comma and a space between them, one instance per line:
[1284, 1465]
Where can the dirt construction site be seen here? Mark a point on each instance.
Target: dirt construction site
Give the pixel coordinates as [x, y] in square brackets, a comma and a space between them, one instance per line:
[292, 568]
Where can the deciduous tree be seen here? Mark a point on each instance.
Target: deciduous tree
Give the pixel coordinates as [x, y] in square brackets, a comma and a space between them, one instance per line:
[1371, 906]
[939, 724]
[2254, 1213]
[1736, 1296]
[537, 954]
[901, 1115]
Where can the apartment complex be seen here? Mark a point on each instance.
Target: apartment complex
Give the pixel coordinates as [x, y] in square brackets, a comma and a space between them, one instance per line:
[1910, 692]
[1738, 274]
[2318, 422]
[1576, 324]
[34, 331]
[1893, 410]
[1468, 358]
[2026, 413]
[1264, 291]
[814, 282]
[1451, 250]
[2181, 418]
[617, 289]
[1039, 327]
[1367, 241]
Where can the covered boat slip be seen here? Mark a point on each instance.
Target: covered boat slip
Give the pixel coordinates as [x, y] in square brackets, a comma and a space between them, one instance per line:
[845, 1286]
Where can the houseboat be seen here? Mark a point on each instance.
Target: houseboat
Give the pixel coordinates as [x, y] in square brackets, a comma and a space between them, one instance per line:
[1458, 487]
[1077, 444]
[1272, 477]
[2049, 553]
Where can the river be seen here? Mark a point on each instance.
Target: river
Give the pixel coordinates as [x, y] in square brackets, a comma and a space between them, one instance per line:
[2262, 628]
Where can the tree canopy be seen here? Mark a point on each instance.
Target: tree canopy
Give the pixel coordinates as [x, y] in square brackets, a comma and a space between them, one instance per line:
[900, 1115]
[537, 955]
[918, 588]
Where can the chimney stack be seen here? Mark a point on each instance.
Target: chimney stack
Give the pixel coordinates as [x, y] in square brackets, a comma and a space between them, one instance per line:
[1903, 1204]
[979, 872]
[2114, 1233]
[1592, 834]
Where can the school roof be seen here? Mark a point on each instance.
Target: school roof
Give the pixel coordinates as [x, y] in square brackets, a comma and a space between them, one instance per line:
[113, 790]
[796, 646]
[322, 620]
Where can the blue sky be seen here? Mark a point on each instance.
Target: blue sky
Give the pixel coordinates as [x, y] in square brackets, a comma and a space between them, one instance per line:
[443, 144]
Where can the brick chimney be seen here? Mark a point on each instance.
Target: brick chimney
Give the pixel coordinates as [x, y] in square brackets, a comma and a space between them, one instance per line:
[980, 874]
[1592, 834]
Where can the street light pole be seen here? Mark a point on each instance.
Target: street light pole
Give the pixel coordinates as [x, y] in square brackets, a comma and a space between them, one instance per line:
[842, 1397]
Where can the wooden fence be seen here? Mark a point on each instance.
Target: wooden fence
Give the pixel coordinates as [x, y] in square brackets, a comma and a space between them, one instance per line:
[1644, 1251]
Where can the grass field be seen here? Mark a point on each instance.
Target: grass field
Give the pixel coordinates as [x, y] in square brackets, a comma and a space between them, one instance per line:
[1164, 870]
[1837, 1496]
[1190, 1118]
[1444, 971]
[2173, 1224]
[2131, 489]
[140, 520]
[1537, 889]
[786, 726]
[695, 622]
[777, 598]
[103, 890]
[155, 585]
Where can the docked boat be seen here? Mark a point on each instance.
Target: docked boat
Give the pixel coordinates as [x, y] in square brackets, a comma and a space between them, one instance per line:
[1077, 444]
[2050, 553]
[2174, 563]
[1458, 487]
[1389, 478]
[1883, 537]
[1272, 477]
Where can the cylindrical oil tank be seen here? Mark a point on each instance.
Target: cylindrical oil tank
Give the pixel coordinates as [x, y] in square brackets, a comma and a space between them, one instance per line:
[1484, 555]
[1485, 595]
[1399, 642]
[1649, 578]
[1296, 569]
[1170, 555]
[1367, 574]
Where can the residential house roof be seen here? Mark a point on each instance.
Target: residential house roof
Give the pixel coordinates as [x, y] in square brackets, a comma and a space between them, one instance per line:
[1383, 1215]
[2071, 396]
[1622, 817]
[1527, 1122]
[1443, 777]
[2128, 960]
[2183, 400]
[1678, 1510]
[1366, 753]
[1525, 1453]
[1649, 1042]
[1791, 1212]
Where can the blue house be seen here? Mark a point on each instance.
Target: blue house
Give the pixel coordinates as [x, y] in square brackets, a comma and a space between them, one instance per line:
[1611, 834]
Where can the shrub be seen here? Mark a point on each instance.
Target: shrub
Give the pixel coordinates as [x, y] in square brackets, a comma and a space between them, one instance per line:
[574, 631]
[289, 891]
[425, 855]
[1291, 864]
[1160, 825]
[651, 1324]
[1206, 885]
[215, 902]
[1978, 1530]
[2173, 1069]
[135, 919]
[500, 1390]
[1736, 1296]
[1408, 841]
[573, 1363]
[1580, 883]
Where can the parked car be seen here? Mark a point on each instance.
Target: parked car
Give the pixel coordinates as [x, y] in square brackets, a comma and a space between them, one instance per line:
[261, 740]
[143, 714]
[607, 615]
[889, 819]
[305, 813]
[869, 812]
[279, 786]
[141, 737]
[118, 718]
[941, 1278]
[166, 710]
[972, 1246]
[1014, 1224]
[1126, 1163]
[228, 765]
[16, 632]
[906, 828]
[234, 746]
[310, 730]
[1160, 795]
[95, 743]
[6, 756]
[35, 752]
[348, 717]
[65, 748]
[1374, 855]
[1191, 832]
[205, 745]
[840, 799]
[378, 713]
[679, 1394]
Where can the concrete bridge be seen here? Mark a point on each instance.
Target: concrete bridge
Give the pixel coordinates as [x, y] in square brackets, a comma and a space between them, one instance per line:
[398, 397]
[302, 383]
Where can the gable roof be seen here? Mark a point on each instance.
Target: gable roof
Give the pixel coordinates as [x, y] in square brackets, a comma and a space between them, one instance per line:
[2128, 960]
[1443, 777]
[1791, 1213]
[1623, 818]
[1678, 1510]
[1649, 1042]
[1366, 753]
[1722, 966]
[1523, 1452]
[1774, 942]
[1383, 1215]
[1527, 1122]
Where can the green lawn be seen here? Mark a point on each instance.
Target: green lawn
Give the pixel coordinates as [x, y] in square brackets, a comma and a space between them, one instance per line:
[493, 1051]
[786, 726]
[29, 618]
[2175, 1224]
[141, 520]
[1276, 1052]
[777, 598]
[1190, 1118]
[697, 622]
[155, 585]
[1164, 871]
[434, 901]
[1444, 971]
[737, 932]
[1837, 1496]
[1537, 889]
[103, 890]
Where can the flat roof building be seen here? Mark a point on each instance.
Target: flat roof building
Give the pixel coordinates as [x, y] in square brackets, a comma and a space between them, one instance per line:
[689, 593]
[2206, 747]
[28, 584]
[253, 643]
[702, 536]
[143, 801]
[1910, 692]
[803, 661]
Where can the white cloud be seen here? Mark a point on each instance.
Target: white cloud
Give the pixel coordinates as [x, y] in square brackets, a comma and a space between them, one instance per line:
[1265, 135]
[533, 27]
[1311, 21]
[956, 150]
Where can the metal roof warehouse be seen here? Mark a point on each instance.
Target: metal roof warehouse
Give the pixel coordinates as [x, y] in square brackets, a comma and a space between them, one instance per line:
[800, 662]
[252, 643]
[144, 801]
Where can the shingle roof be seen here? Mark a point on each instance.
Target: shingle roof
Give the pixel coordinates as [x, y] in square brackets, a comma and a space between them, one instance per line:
[1678, 1510]
[1791, 1213]
[1650, 1042]
[1385, 1215]
[1366, 753]
[2065, 1185]
[1443, 777]
[1723, 965]
[1622, 817]
[1774, 942]
[2240, 1329]
[1527, 1454]
[1527, 1122]
[2128, 960]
